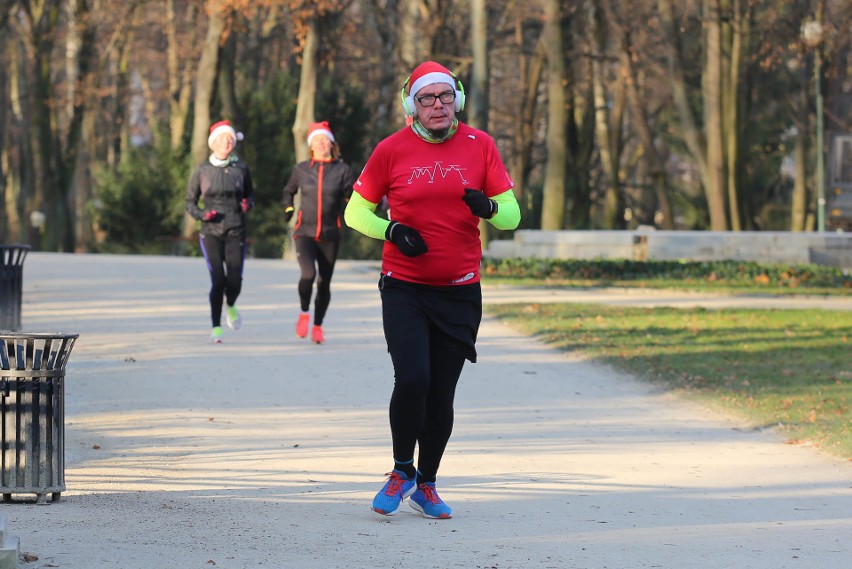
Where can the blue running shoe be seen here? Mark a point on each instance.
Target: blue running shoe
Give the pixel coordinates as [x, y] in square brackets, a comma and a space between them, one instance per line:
[426, 501]
[396, 489]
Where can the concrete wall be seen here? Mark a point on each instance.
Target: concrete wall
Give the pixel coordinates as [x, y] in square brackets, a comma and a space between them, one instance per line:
[833, 249]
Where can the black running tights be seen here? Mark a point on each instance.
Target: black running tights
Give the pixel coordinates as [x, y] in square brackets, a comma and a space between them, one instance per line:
[225, 257]
[316, 261]
[427, 365]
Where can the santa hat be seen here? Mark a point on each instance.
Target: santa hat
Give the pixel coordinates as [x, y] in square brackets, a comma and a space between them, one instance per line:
[427, 73]
[222, 127]
[317, 128]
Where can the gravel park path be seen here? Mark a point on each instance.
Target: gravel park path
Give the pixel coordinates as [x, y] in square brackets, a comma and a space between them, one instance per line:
[265, 451]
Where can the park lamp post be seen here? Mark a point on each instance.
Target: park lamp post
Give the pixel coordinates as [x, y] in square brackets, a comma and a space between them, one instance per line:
[812, 34]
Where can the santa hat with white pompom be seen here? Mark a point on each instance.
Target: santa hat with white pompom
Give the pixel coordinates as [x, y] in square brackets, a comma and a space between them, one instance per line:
[222, 127]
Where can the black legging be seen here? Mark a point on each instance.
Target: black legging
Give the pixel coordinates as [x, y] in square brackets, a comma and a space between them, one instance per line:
[225, 257]
[316, 260]
[427, 361]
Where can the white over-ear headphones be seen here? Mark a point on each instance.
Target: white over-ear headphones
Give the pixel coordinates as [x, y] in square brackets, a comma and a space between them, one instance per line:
[408, 100]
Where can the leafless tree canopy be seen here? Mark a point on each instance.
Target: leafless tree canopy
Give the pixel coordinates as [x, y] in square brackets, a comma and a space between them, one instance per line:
[694, 114]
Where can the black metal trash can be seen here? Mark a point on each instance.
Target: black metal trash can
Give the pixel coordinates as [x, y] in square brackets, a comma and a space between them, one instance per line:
[11, 285]
[32, 413]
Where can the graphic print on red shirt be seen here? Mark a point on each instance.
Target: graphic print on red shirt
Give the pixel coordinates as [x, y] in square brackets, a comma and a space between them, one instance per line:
[424, 184]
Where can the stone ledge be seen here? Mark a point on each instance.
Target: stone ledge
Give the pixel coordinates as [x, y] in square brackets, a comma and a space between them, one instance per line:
[833, 249]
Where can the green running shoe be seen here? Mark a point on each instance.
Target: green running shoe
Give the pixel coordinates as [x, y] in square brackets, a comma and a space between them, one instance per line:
[216, 335]
[233, 318]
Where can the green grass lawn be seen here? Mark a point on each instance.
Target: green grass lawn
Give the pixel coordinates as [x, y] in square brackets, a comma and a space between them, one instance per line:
[790, 369]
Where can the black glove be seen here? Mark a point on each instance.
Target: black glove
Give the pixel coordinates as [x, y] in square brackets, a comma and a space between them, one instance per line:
[407, 239]
[288, 213]
[479, 204]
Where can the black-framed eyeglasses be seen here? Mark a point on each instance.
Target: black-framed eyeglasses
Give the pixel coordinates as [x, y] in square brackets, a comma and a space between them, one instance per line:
[446, 97]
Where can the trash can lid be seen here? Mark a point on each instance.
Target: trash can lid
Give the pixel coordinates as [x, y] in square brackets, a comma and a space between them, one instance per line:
[13, 255]
[37, 336]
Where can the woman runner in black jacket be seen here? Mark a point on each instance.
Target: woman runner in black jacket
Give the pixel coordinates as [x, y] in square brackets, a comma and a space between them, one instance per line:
[325, 182]
[223, 185]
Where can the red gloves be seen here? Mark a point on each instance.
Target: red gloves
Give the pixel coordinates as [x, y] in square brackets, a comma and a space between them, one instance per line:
[210, 215]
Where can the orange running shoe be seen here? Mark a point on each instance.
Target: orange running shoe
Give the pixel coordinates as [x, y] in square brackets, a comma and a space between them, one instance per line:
[316, 335]
[302, 324]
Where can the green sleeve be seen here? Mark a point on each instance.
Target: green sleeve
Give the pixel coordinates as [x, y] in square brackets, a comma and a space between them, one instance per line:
[360, 215]
[508, 214]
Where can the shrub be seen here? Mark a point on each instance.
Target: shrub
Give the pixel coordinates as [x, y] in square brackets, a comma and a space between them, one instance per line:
[719, 272]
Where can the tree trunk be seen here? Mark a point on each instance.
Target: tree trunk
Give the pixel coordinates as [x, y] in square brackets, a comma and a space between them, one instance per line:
[607, 121]
[5, 67]
[151, 107]
[305, 111]
[799, 205]
[553, 202]
[83, 224]
[581, 147]
[227, 93]
[799, 201]
[180, 79]
[746, 98]
[45, 156]
[74, 159]
[120, 131]
[80, 56]
[21, 177]
[530, 72]
[734, 29]
[712, 88]
[205, 82]
[691, 133]
[417, 41]
[386, 22]
[477, 93]
[712, 177]
[306, 105]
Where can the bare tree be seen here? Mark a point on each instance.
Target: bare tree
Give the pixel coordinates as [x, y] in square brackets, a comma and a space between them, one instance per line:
[305, 108]
[477, 95]
[531, 70]
[56, 128]
[642, 104]
[638, 114]
[712, 91]
[609, 102]
[692, 135]
[477, 92]
[179, 71]
[735, 23]
[204, 85]
[799, 202]
[5, 6]
[553, 203]
[384, 22]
